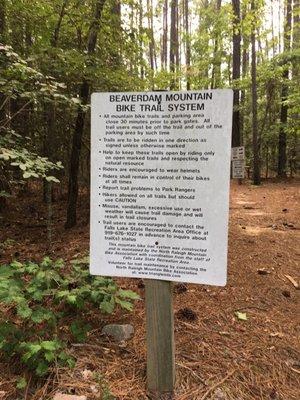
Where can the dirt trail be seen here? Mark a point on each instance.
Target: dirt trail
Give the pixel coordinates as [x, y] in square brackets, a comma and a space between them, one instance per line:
[216, 354]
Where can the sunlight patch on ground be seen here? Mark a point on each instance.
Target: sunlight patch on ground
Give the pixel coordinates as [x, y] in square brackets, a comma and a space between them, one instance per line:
[258, 230]
[242, 202]
[256, 212]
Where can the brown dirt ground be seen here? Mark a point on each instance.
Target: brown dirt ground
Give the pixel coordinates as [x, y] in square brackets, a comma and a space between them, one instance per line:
[217, 356]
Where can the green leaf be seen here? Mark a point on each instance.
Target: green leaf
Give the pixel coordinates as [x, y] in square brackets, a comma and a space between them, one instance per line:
[4, 194]
[79, 330]
[41, 314]
[125, 304]
[24, 311]
[71, 362]
[128, 294]
[107, 306]
[34, 348]
[21, 383]
[72, 299]
[52, 179]
[27, 175]
[50, 345]
[42, 368]
[62, 293]
[49, 356]
[6, 272]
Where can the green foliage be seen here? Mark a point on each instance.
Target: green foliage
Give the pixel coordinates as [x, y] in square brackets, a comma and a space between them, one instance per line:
[20, 79]
[13, 155]
[39, 297]
[106, 393]
[21, 383]
[30, 164]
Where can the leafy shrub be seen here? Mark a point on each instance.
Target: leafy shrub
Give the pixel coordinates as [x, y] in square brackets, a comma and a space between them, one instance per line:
[14, 154]
[37, 297]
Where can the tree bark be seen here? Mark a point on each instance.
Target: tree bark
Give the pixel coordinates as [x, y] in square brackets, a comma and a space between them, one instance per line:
[187, 44]
[282, 158]
[245, 66]
[236, 65]
[50, 135]
[216, 71]
[165, 36]
[255, 144]
[151, 39]
[3, 21]
[54, 39]
[174, 43]
[142, 70]
[79, 127]
[2, 41]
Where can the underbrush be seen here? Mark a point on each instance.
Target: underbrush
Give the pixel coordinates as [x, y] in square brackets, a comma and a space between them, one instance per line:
[37, 299]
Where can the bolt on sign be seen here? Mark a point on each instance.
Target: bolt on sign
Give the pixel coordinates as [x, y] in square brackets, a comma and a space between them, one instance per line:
[160, 169]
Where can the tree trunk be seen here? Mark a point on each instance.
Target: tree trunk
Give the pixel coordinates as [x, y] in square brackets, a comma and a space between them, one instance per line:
[116, 25]
[2, 41]
[165, 36]
[50, 135]
[54, 39]
[284, 95]
[245, 66]
[79, 127]
[174, 43]
[151, 39]
[187, 44]
[142, 71]
[255, 145]
[2, 21]
[236, 65]
[216, 71]
[273, 35]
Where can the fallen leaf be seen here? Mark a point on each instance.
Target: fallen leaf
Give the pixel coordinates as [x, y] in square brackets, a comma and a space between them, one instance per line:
[86, 374]
[277, 334]
[94, 389]
[224, 333]
[241, 316]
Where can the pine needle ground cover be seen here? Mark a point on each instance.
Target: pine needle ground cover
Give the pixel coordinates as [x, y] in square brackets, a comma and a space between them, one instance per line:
[243, 341]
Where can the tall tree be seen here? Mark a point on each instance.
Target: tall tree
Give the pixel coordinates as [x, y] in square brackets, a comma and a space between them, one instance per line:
[141, 58]
[281, 171]
[54, 39]
[2, 41]
[216, 71]
[50, 133]
[174, 44]
[165, 35]
[152, 51]
[255, 143]
[3, 184]
[236, 66]
[2, 20]
[245, 67]
[187, 44]
[84, 93]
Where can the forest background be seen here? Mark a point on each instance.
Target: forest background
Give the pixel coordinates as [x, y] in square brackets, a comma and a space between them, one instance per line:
[53, 54]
